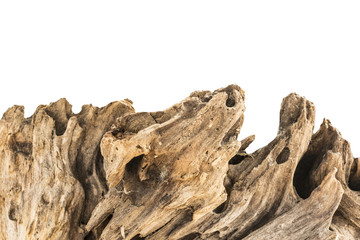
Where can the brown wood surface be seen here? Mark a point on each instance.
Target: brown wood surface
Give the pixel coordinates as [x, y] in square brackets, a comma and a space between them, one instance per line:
[181, 173]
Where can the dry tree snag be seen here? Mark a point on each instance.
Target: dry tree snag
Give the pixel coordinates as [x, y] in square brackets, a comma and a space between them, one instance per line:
[181, 173]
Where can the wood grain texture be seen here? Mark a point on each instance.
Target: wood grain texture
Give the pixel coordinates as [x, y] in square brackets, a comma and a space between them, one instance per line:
[181, 173]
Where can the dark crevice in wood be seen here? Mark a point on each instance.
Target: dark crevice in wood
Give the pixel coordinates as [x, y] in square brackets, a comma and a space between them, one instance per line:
[191, 236]
[283, 156]
[237, 159]
[354, 179]
[220, 208]
[133, 166]
[137, 237]
[301, 179]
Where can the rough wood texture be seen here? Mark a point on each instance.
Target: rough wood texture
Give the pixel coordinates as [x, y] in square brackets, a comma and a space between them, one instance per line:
[112, 173]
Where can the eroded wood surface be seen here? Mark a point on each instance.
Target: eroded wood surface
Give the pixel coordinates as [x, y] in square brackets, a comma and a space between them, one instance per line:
[181, 173]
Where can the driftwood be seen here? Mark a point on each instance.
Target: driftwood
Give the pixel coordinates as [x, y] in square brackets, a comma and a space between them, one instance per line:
[112, 173]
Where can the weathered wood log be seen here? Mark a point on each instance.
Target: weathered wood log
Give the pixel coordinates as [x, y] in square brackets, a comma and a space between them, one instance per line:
[51, 169]
[181, 173]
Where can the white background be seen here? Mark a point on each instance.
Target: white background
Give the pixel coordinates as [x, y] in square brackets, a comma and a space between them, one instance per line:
[157, 52]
